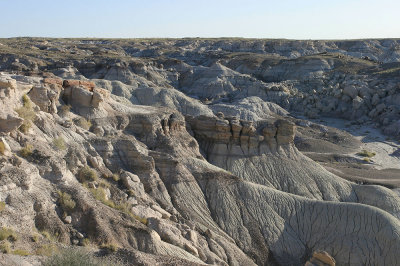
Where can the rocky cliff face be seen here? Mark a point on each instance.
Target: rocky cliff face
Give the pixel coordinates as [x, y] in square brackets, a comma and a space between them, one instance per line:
[184, 152]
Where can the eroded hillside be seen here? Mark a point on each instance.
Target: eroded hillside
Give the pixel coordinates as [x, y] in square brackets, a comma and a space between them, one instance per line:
[200, 151]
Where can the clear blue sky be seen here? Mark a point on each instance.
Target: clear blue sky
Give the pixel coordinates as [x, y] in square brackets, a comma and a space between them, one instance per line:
[293, 19]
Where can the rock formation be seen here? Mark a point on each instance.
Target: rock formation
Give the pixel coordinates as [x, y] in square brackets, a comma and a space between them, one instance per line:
[176, 156]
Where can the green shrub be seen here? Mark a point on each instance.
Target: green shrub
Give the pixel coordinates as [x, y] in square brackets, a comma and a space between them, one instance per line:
[78, 257]
[104, 183]
[115, 177]
[20, 252]
[26, 151]
[35, 238]
[87, 174]
[86, 242]
[126, 208]
[26, 101]
[100, 195]
[83, 123]
[7, 233]
[66, 201]
[366, 153]
[59, 143]
[50, 236]
[2, 205]
[26, 125]
[46, 250]
[5, 247]
[2, 148]
[27, 113]
[110, 246]
[131, 193]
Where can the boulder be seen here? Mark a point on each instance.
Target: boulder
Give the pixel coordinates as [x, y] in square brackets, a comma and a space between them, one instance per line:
[321, 258]
[68, 219]
[380, 108]
[375, 99]
[129, 180]
[145, 212]
[53, 81]
[6, 82]
[350, 91]
[357, 102]
[88, 85]
[164, 213]
[80, 96]
[9, 123]
[45, 97]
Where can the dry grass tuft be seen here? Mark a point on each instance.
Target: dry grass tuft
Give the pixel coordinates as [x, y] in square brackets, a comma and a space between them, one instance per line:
[26, 151]
[366, 153]
[83, 123]
[87, 174]
[59, 143]
[66, 202]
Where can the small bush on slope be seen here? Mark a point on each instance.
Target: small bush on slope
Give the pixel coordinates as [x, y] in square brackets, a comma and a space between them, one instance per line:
[27, 113]
[2, 148]
[83, 123]
[77, 257]
[7, 233]
[87, 174]
[26, 151]
[366, 153]
[66, 202]
[59, 143]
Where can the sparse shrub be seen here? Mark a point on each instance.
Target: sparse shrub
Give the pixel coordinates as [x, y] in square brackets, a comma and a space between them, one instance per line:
[7, 233]
[2, 148]
[66, 201]
[86, 242]
[27, 113]
[20, 252]
[78, 257]
[47, 250]
[83, 123]
[26, 151]
[100, 195]
[366, 153]
[131, 193]
[64, 110]
[87, 174]
[26, 101]
[26, 125]
[50, 236]
[104, 183]
[5, 247]
[59, 143]
[143, 220]
[2, 205]
[126, 208]
[35, 238]
[115, 177]
[366, 159]
[110, 246]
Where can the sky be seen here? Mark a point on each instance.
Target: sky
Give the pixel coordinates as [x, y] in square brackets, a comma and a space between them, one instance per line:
[290, 19]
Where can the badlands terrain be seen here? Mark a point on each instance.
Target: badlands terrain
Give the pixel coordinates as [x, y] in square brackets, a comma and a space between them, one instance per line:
[200, 151]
